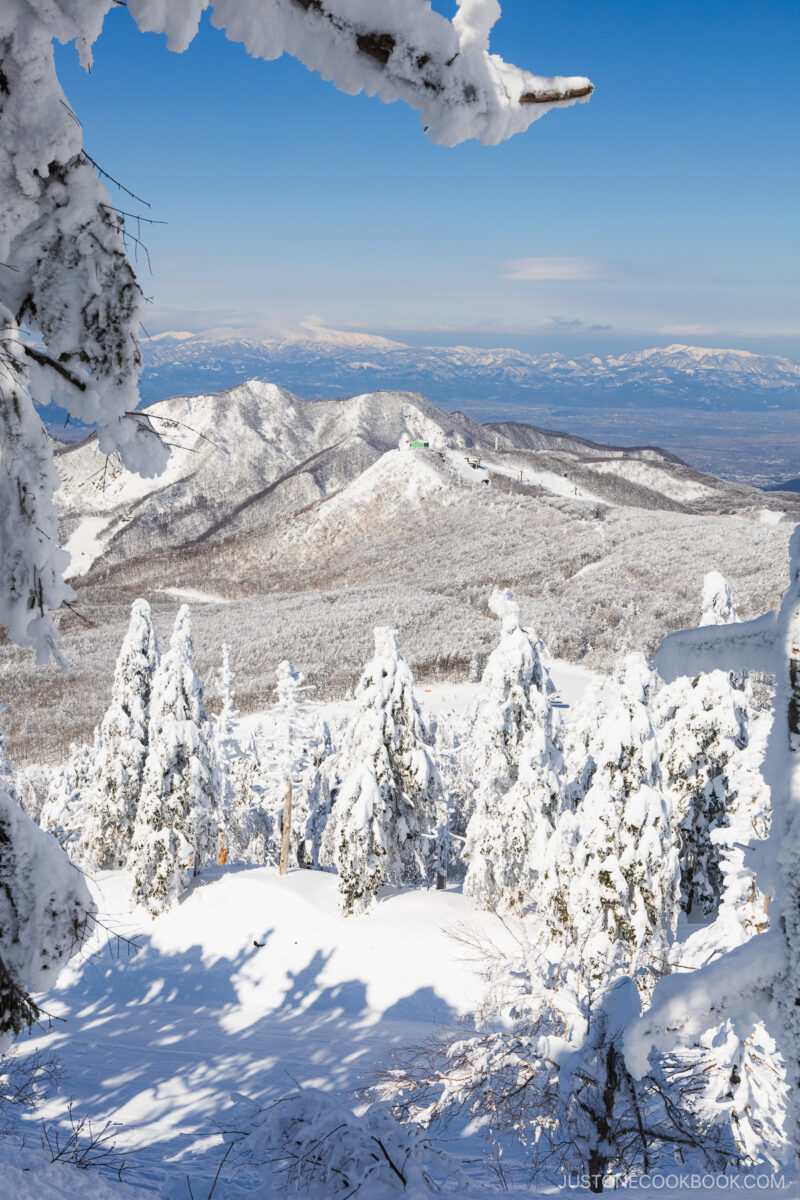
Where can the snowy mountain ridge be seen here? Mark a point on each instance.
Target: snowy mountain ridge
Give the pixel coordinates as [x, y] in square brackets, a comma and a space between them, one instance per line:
[255, 455]
[317, 361]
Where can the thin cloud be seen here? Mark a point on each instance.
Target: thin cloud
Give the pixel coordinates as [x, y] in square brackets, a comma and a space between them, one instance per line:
[539, 270]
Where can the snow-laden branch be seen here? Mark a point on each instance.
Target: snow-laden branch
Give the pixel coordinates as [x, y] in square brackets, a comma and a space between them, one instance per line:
[743, 646]
[739, 986]
[393, 49]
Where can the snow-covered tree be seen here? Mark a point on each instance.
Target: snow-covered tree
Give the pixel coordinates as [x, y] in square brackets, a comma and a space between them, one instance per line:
[717, 601]
[519, 765]
[701, 725]
[548, 1068]
[609, 892]
[515, 687]
[62, 241]
[300, 746]
[758, 982]
[711, 749]
[124, 740]
[227, 748]
[383, 823]
[177, 820]
[45, 906]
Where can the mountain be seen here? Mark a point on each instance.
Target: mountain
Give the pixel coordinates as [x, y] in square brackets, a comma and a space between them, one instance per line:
[321, 362]
[788, 485]
[254, 455]
[294, 527]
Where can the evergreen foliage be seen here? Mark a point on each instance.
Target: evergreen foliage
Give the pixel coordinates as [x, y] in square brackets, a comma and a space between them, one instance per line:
[124, 742]
[177, 821]
[610, 888]
[516, 766]
[385, 809]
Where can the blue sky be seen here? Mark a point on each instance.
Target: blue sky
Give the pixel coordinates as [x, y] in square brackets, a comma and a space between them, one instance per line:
[666, 207]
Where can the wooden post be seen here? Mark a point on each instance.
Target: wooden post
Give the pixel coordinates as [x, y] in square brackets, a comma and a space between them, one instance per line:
[287, 825]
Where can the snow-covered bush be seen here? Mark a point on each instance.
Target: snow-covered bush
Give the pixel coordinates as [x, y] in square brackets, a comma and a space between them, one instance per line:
[124, 740]
[388, 803]
[309, 1144]
[177, 820]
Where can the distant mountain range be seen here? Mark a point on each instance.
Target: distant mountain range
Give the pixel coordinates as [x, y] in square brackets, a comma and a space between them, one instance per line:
[322, 363]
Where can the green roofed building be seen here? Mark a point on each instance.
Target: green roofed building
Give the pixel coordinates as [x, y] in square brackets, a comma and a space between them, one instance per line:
[419, 445]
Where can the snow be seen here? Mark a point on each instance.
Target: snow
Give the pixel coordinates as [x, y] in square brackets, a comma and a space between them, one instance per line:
[440, 68]
[559, 485]
[253, 981]
[675, 487]
[771, 516]
[194, 596]
[85, 544]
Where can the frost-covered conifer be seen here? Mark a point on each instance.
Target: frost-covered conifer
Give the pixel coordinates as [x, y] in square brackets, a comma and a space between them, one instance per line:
[124, 740]
[504, 713]
[508, 834]
[757, 982]
[44, 909]
[717, 601]
[702, 728]
[711, 749]
[177, 821]
[226, 742]
[610, 888]
[67, 808]
[516, 765]
[301, 745]
[384, 818]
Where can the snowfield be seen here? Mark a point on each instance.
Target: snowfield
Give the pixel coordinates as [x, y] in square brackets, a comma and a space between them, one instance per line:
[251, 984]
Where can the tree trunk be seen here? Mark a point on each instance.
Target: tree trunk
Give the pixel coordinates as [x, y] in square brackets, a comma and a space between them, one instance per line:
[287, 827]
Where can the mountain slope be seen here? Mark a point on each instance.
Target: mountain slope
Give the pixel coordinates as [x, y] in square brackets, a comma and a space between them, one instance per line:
[293, 528]
[250, 457]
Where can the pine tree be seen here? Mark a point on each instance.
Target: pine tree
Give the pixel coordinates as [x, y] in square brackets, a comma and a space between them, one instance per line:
[124, 741]
[610, 891]
[702, 728]
[177, 821]
[517, 763]
[384, 818]
[226, 742]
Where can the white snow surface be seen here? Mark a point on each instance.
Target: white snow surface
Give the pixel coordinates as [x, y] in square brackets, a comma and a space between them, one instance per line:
[85, 544]
[649, 476]
[250, 983]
